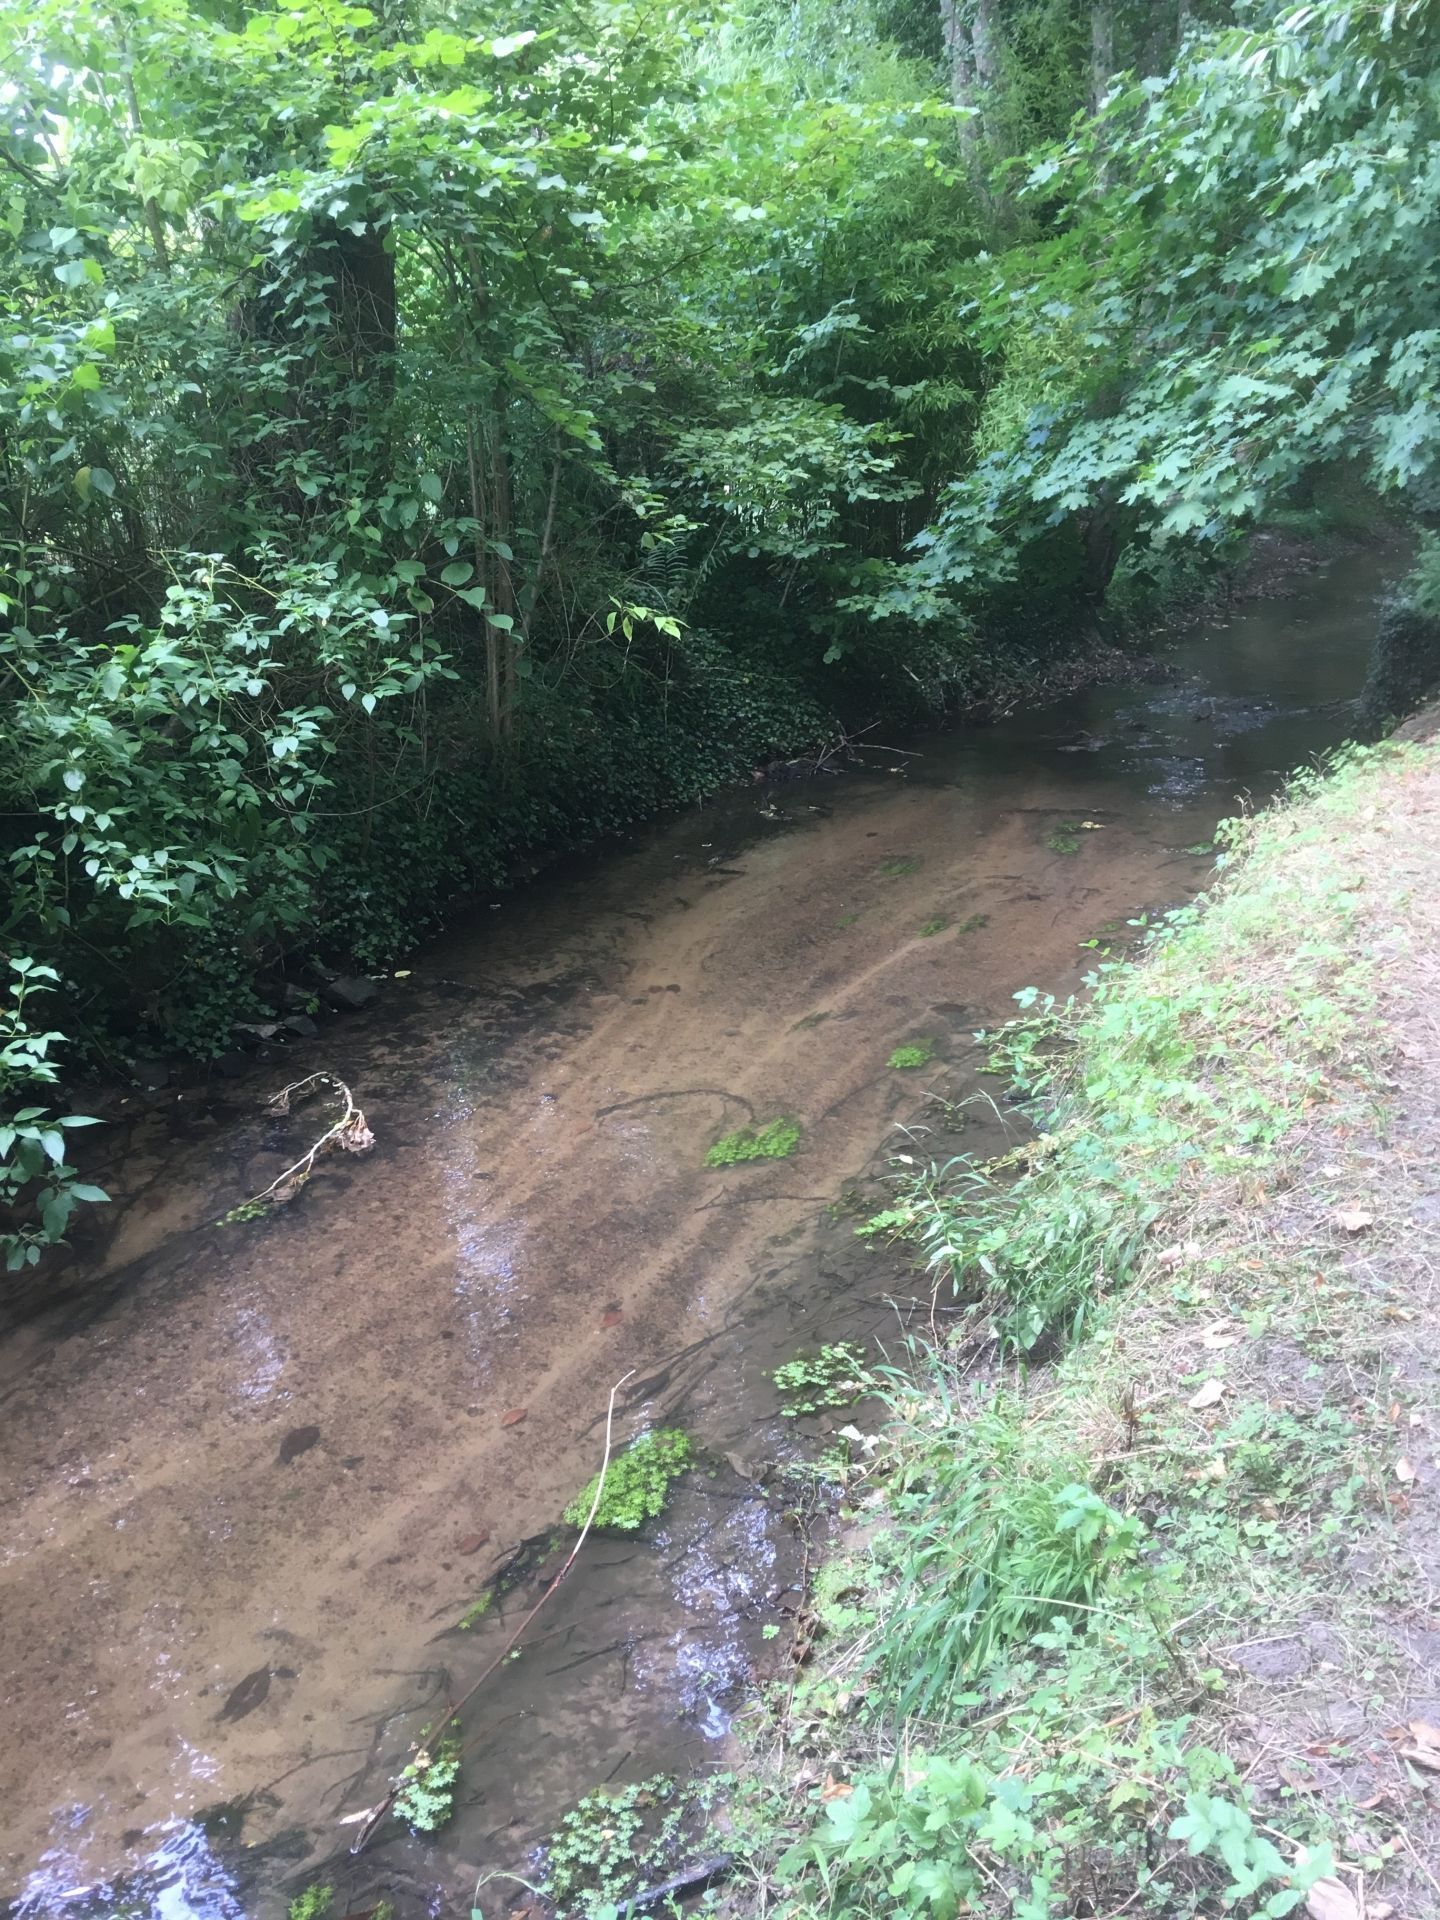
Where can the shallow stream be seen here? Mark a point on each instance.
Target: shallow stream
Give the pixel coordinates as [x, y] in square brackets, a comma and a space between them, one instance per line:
[256, 1475]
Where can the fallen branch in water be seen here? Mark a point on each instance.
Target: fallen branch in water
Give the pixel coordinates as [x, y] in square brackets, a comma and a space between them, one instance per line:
[697, 1876]
[424, 1745]
[349, 1134]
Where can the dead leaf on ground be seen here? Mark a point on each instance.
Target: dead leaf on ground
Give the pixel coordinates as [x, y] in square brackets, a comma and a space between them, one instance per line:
[834, 1789]
[1331, 1900]
[1426, 1757]
[1222, 1334]
[513, 1417]
[611, 1317]
[1212, 1391]
[355, 1136]
[1353, 1219]
[473, 1542]
[1404, 1470]
[1423, 1733]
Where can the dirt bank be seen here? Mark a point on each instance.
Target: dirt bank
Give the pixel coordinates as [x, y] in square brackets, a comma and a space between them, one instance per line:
[1246, 1707]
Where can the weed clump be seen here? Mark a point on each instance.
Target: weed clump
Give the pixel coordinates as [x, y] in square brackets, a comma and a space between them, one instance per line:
[775, 1141]
[313, 1904]
[833, 1377]
[617, 1840]
[932, 927]
[637, 1483]
[426, 1796]
[914, 1053]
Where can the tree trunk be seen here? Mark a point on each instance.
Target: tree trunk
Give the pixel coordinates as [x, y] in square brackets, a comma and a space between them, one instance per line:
[960, 56]
[967, 28]
[503, 596]
[1102, 49]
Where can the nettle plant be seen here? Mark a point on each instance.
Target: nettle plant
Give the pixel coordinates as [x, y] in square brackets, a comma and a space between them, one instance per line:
[38, 1188]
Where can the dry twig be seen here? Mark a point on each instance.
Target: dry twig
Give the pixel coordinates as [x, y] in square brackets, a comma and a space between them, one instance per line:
[432, 1733]
[349, 1134]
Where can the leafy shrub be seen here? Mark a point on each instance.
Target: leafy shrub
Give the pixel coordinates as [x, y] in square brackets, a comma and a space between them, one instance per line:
[637, 1483]
[38, 1189]
[775, 1141]
[994, 1545]
[934, 1839]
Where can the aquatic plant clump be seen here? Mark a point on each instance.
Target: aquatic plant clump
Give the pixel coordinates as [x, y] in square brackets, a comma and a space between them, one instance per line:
[835, 1376]
[425, 1799]
[915, 1053]
[775, 1141]
[637, 1484]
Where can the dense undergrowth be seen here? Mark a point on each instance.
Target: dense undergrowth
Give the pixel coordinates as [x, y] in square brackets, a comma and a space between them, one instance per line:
[1023, 1702]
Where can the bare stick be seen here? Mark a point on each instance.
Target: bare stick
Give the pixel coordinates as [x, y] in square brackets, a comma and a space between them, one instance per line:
[438, 1727]
[350, 1133]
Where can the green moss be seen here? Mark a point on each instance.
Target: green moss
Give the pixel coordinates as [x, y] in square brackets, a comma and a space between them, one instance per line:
[934, 926]
[974, 923]
[897, 869]
[915, 1053]
[810, 1020]
[637, 1483]
[847, 920]
[775, 1141]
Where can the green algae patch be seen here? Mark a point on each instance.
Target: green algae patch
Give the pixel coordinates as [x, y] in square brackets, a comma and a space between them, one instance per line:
[637, 1483]
[915, 1053]
[775, 1141]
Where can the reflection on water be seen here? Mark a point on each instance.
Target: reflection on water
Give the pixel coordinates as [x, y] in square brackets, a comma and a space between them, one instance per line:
[183, 1878]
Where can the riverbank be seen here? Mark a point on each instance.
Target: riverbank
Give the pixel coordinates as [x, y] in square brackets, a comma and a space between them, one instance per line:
[261, 1562]
[1153, 1628]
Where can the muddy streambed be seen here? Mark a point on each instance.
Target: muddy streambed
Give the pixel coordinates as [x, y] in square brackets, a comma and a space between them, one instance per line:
[255, 1476]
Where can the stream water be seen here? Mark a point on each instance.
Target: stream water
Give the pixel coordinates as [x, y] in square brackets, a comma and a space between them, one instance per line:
[255, 1475]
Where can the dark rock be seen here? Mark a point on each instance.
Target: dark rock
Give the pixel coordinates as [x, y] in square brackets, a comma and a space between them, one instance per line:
[233, 1064]
[348, 991]
[301, 1025]
[299, 1440]
[152, 1075]
[247, 1695]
